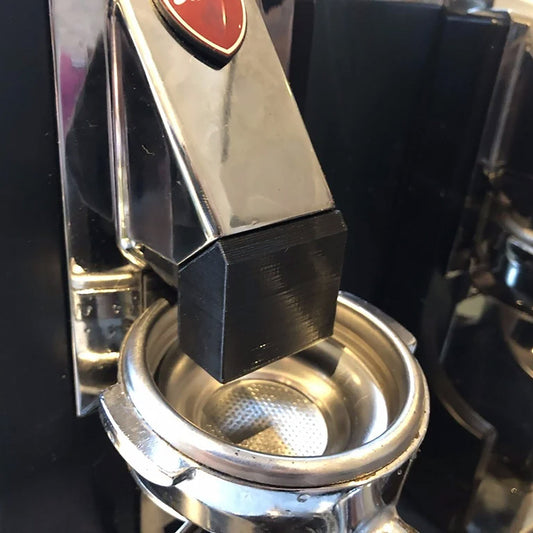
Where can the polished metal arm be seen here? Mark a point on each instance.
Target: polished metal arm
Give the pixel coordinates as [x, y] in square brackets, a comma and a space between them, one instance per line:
[200, 173]
[220, 188]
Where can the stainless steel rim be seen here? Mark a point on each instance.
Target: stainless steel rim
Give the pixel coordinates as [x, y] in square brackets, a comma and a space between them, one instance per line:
[139, 360]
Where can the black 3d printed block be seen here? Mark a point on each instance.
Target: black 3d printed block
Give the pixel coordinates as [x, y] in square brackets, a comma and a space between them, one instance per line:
[252, 298]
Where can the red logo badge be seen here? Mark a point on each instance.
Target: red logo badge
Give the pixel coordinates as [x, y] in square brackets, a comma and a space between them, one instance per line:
[216, 26]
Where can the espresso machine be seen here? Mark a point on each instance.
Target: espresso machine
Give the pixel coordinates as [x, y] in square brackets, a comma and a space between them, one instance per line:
[439, 151]
[178, 355]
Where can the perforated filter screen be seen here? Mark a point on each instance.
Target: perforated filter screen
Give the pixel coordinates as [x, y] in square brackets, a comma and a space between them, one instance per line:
[268, 417]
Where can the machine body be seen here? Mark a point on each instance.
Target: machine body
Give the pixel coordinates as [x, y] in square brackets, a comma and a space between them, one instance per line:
[180, 172]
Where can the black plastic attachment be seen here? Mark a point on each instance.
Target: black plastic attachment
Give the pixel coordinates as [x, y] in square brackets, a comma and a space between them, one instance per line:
[253, 298]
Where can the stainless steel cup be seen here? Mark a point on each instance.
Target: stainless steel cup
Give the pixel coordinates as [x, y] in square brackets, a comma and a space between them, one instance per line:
[319, 441]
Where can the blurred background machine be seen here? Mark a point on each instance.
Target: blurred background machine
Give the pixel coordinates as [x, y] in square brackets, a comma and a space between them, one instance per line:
[423, 126]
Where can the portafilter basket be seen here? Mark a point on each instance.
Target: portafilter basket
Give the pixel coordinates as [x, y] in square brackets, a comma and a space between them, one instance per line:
[319, 441]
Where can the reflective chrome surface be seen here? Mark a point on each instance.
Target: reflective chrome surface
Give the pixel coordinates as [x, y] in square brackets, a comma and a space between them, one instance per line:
[360, 396]
[212, 151]
[229, 506]
[105, 289]
[292, 407]
[503, 265]
[299, 406]
[360, 334]
[154, 520]
[243, 157]
[105, 306]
